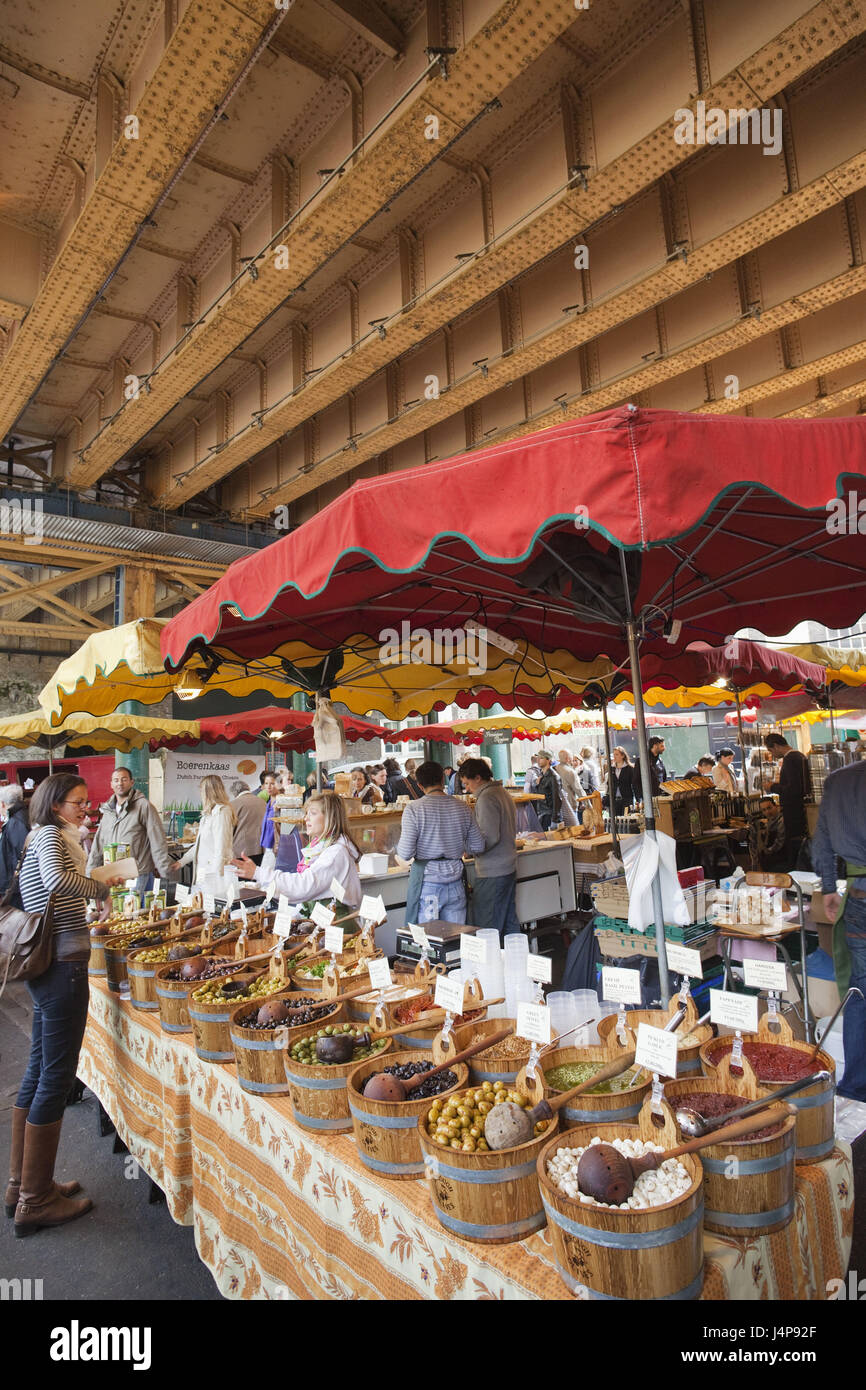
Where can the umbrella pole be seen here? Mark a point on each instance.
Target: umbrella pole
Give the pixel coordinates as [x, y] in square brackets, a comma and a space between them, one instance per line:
[609, 751]
[50, 758]
[742, 738]
[646, 787]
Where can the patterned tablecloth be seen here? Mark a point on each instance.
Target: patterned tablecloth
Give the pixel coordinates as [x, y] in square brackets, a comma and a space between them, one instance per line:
[282, 1213]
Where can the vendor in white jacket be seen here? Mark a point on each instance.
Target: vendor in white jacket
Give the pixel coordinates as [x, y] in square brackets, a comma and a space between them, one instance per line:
[213, 846]
[330, 854]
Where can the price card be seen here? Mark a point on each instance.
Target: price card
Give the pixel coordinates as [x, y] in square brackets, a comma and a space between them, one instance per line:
[420, 937]
[322, 916]
[337, 891]
[533, 1022]
[656, 1050]
[380, 973]
[269, 892]
[283, 923]
[734, 1010]
[283, 903]
[684, 961]
[156, 883]
[372, 909]
[539, 968]
[334, 939]
[448, 994]
[620, 986]
[231, 884]
[181, 894]
[473, 949]
[237, 915]
[766, 974]
[208, 902]
[244, 918]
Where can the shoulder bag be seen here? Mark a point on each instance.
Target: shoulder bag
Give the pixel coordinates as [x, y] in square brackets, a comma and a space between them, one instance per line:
[26, 938]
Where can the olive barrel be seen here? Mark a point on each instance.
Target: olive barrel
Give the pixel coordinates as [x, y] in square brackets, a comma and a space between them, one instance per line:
[688, 1055]
[492, 1198]
[386, 1132]
[483, 1068]
[260, 1053]
[172, 996]
[748, 1183]
[211, 1021]
[606, 1253]
[116, 957]
[614, 1107]
[318, 1093]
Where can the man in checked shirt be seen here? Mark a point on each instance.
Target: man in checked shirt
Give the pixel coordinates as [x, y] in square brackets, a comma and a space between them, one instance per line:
[436, 831]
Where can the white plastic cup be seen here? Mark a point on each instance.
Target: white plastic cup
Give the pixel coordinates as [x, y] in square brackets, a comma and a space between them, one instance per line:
[563, 1015]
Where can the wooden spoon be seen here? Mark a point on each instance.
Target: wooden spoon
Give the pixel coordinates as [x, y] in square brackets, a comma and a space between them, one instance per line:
[339, 1047]
[385, 1087]
[606, 1175]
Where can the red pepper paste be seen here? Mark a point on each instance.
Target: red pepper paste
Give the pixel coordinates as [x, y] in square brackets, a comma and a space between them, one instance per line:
[772, 1061]
[710, 1104]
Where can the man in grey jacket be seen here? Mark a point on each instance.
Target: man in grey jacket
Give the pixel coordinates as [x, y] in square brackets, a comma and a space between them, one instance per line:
[496, 867]
[128, 818]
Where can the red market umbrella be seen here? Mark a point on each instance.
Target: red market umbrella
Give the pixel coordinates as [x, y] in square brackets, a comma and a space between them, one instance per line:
[295, 730]
[624, 532]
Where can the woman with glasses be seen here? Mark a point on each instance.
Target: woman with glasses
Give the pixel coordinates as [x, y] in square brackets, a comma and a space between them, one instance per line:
[54, 867]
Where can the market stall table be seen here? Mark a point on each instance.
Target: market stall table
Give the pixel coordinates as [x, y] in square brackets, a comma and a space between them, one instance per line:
[280, 1213]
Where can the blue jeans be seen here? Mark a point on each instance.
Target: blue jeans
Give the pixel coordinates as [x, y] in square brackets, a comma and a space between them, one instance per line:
[442, 902]
[493, 903]
[853, 1084]
[60, 999]
[143, 884]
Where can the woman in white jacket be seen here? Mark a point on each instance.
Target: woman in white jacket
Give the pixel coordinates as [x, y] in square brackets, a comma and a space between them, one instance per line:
[331, 854]
[213, 846]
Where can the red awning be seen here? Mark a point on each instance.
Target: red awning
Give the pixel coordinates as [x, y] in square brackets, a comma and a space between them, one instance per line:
[723, 521]
[295, 726]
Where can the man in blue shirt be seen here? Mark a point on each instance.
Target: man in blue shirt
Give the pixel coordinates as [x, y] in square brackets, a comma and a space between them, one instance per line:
[841, 835]
[435, 832]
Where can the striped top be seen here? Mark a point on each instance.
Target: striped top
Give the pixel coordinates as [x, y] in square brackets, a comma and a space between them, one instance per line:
[439, 828]
[47, 869]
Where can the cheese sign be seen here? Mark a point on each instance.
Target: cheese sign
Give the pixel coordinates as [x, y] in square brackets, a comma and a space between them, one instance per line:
[766, 974]
[448, 994]
[380, 973]
[420, 937]
[181, 894]
[334, 939]
[656, 1050]
[620, 986]
[734, 1010]
[372, 909]
[473, 949]
[533, 1023]
[539, 968]
[321, 915]
[337, 891]
[684, 961]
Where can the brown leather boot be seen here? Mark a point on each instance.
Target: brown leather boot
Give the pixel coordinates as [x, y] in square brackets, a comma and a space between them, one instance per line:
[40, 1203]
[16, 1155]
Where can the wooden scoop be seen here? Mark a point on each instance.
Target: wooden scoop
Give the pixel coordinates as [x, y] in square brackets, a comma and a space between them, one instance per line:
[382, 1086]
[326, 1003]
[340, 1046]
[606, 1175]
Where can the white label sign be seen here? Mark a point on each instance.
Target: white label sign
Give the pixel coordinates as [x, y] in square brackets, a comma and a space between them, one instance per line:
[420, 937]
[231, 884]
[734, 1010]
[208, 902]
[766, 974]
[321, 915]
[181, 894]
[533, 1022]
[156, 883]
[656, 1050]
[620, 986]
[372, 909]
[283, 923]
[270, 891]
[473, 950]
[283, 904]
[684, 961]
[380, 973]
[539, 968]
[334, 939]
[337, 891]
[448, 994]
[237, 915]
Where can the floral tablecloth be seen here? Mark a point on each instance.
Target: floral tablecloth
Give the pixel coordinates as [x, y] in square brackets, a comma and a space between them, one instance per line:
[282, 1213]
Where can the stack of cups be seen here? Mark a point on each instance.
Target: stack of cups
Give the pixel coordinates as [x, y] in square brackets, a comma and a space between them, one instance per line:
[563, 1016]
[491, 972]
[516, 951]
[588, 1013]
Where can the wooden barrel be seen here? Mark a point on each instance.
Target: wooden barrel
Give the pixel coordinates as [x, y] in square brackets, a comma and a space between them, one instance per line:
[318, 1093]
[689, 1056]
[211, 1022]
[490, 1198]
[748, 1183]
[402, 990]
[99, 939]
[314, 985]
[615, 1107]
[386, 1132]
[482, 1068]
[260, 1052]
[816, 1131]
[172, 996]
[116, 956]
[607, 1253]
